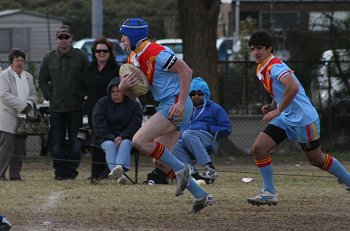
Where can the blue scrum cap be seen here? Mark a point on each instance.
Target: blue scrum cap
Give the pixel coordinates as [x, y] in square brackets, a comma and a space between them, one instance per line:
[136, 29]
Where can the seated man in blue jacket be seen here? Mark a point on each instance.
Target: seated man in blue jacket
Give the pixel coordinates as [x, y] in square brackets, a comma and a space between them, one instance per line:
[209, 122]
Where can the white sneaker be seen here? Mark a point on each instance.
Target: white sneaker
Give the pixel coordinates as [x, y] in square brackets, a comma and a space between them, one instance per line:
[201, 203]
[122, 180]
[210, 173]
[264, 198]
[116, 172]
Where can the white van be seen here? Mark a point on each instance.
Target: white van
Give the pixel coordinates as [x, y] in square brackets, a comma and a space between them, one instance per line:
[328, 80]
[86, 44]
[174, 44]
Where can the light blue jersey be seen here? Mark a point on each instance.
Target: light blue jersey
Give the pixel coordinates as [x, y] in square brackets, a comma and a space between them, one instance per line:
[300, 112]
[165, 83]
[166, 88]
[155, 61]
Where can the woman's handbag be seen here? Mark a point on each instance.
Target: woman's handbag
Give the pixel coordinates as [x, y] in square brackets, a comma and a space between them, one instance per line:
[35, 125]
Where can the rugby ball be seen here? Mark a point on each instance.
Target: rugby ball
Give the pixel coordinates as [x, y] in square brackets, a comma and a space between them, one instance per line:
[142, 84]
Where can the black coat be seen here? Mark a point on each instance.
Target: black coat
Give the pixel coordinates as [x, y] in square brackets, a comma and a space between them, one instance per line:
[97, 82]
[116, 119]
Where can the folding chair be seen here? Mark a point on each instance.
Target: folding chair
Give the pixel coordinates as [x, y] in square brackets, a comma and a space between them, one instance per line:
[99, 167]
[214, 147]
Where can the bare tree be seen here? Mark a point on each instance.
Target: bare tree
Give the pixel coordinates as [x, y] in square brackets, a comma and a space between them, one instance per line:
[199, 19]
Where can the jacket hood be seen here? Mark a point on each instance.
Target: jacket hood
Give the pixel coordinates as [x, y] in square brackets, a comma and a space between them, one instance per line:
[199, 84]
[114, 82]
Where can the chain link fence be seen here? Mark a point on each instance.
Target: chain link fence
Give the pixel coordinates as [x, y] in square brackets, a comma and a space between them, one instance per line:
[242, 96]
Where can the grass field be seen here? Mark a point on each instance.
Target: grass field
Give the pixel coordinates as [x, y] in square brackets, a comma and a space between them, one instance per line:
[309, 200]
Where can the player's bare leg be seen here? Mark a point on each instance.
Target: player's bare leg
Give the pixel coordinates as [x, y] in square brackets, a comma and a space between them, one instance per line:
[144, 141]
[263, 144]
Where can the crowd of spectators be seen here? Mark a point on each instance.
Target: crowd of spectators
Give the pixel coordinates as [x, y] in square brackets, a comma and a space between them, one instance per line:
[75, 87]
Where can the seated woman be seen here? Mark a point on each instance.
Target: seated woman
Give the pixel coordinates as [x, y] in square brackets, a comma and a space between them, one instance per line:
[116, 118]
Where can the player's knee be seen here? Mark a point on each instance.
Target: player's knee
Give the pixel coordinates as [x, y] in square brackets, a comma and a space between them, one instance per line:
[316, 160]
[257, 150]
[137, 143]
[314, 153]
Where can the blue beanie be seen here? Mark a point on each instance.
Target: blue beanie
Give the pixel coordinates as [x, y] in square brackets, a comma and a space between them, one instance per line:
[136, 29]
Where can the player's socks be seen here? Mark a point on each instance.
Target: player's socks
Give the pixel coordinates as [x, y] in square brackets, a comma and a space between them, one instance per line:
[162, 154]
[171, 174]
[334, 167]
[195, 189]
[192, 187]
[266, 172]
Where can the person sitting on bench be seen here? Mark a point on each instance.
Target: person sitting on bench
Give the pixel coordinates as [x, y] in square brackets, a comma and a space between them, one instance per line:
[116, 118]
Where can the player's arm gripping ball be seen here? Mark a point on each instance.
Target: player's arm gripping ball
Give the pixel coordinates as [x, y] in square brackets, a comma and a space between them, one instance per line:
[141, 87]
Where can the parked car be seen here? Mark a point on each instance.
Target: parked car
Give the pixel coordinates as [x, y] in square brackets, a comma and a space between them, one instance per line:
[174, 44]
[86, 45]
[224, 46]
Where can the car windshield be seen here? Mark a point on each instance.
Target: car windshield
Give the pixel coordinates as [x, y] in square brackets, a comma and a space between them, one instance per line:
[88, 45]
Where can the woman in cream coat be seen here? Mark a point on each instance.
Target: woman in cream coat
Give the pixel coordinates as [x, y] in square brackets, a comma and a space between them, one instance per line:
[17, 94]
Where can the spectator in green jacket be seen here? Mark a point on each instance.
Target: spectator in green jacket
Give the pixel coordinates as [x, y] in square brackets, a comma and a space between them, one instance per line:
[61, 79]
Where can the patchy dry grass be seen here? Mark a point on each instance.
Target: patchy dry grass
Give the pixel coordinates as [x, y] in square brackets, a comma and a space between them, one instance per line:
[309, 200]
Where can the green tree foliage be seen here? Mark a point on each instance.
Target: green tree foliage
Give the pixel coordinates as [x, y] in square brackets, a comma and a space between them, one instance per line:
[162, 16]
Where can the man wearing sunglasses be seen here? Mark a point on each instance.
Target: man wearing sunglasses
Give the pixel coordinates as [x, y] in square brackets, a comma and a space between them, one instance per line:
[61, 79]
[208, 123]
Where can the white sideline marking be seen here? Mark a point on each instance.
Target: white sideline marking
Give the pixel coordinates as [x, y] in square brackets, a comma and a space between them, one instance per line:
[51, 201]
